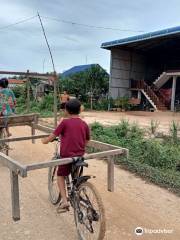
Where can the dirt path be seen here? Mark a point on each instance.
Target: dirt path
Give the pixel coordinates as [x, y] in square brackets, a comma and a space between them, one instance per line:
[134, 202]
[142, 118]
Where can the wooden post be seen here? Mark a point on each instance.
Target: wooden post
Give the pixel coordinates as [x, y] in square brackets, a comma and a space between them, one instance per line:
[15, 196]
[55, 99]
[173, 93]
[33, 128]
[28, 92]
[110, 174]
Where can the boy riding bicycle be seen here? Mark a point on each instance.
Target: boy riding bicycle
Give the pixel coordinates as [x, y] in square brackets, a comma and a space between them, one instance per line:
[74, 134]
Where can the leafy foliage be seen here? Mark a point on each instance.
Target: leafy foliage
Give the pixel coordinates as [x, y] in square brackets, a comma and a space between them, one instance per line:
[150, 158]
[174, 128]
[93, 81]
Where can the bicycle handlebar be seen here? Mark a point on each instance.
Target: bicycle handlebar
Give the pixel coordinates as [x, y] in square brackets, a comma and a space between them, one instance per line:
[57, 139]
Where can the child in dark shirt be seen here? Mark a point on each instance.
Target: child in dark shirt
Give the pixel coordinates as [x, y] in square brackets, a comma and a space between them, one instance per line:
[74, 134]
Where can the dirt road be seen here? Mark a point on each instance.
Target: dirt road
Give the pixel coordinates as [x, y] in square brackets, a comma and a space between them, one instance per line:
[134, 203]
[142, 118]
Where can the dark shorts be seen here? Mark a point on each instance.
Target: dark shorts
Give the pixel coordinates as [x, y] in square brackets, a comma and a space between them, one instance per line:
[64, 170]
[63, 105]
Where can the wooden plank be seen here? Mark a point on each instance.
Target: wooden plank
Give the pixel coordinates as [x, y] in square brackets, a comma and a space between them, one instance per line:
[30, 74]
[18, 124]
[92, 143]
[17, 139]
[13, 165]
[110, 174]
[44, 128]
[103, 146]
[64, 161]
[15, 196]
[16, 119]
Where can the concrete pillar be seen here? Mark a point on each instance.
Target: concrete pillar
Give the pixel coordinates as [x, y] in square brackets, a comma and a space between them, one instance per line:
[110, 82]
[139, 95]
[173, 93]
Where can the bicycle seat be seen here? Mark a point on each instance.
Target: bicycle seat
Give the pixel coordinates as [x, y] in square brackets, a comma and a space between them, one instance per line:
[79, 162]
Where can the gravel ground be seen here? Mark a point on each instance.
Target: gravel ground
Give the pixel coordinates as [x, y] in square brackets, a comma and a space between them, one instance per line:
[134, 203]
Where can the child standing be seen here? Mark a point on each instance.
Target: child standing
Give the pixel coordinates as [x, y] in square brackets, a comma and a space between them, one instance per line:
[74, 134]
[7, 102]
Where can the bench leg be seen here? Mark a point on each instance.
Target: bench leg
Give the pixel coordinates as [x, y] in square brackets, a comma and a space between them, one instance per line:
[33, 131]
[110, 174]
[33, 128]
[15, 196]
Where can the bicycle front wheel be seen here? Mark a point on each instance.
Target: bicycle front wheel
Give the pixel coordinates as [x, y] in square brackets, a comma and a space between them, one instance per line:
[54, 194]
[89, 213]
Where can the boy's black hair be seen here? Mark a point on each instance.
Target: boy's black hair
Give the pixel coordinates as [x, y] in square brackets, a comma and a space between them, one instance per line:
[4, 82]
[73, 106]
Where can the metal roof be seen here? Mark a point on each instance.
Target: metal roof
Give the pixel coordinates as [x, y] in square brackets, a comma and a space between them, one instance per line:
[77, 69]
[143, 38]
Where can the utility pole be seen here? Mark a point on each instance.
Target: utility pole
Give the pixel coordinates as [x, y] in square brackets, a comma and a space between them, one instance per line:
[55, 75]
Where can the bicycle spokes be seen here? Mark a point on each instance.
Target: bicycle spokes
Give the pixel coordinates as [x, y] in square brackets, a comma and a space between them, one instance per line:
[89, 213]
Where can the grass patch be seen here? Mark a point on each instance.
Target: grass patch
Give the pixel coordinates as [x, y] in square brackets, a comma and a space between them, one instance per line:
[153, 160]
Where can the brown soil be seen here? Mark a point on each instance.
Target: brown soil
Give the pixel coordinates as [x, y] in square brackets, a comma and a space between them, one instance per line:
[134, 202]
[142, 118]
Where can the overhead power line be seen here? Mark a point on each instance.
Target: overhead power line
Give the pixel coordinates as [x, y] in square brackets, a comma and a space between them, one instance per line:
[91, 26]
[19, 22]
[72, 23]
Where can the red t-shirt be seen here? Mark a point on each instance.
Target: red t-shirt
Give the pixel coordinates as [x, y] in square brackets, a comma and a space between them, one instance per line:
[74, 133]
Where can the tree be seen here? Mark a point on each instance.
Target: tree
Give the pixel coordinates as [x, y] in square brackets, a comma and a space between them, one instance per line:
[92, 83]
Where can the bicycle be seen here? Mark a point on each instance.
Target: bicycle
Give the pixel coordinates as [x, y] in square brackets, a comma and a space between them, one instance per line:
[85, 200]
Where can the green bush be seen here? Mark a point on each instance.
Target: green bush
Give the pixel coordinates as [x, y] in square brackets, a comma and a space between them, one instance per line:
[123, 102]
[103, 104]
[20, 92]
[159, 155]
[168, 179]
[46, 103]
[122, 129]
[174, 128]
[148, 157]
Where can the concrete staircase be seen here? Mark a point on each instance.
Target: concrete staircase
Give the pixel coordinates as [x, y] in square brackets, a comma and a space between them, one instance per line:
[161, 80]
[149, 99]
[156, 102]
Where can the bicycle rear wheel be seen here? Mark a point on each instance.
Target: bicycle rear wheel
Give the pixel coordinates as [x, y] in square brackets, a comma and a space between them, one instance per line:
[54, 194]
[89, 213]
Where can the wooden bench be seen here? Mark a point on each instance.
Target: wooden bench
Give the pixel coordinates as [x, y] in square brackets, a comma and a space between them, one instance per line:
[21, 120]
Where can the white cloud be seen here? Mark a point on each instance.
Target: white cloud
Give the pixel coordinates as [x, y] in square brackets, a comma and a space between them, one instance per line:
[23, 46]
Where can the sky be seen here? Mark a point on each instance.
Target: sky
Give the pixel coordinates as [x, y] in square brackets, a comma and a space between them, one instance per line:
[23, 46]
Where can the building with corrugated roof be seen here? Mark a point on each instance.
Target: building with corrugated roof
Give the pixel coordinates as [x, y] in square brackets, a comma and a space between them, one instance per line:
[78, 69]
[147, 67]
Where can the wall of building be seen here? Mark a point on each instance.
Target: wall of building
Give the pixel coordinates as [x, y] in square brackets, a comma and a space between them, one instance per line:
[125, 65]
[159, 61]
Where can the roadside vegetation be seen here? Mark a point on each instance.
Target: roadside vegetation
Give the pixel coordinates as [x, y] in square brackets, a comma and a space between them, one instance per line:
[44, 106]
[90, 87]
[156, 160]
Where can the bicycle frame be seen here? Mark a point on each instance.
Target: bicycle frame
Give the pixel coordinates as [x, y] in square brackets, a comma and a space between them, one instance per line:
[76, 180]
